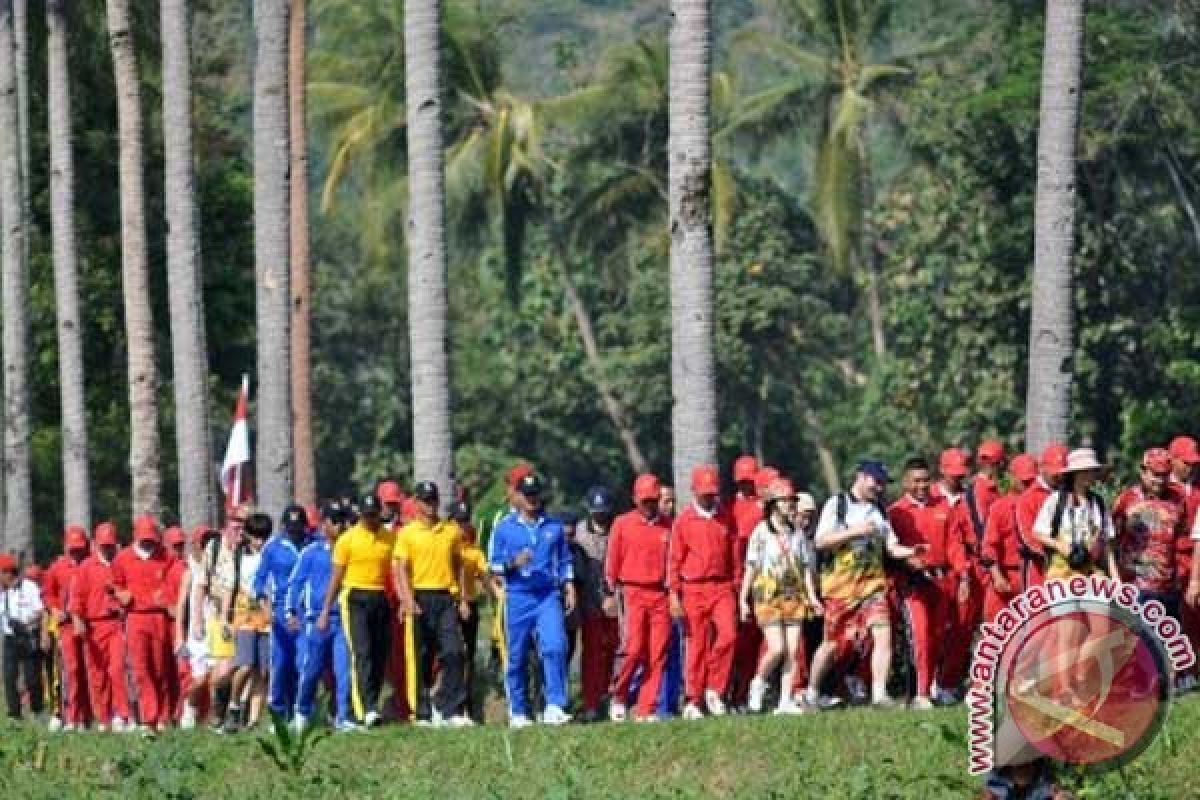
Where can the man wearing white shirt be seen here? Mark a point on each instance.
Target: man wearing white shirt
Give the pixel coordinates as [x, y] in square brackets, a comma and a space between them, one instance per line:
[20, 619]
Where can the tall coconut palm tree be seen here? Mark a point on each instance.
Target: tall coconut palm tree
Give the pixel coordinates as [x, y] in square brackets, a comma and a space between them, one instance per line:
[273, 456]
[185, 287]
[433, 446]
[135, 279]
[1048, 401]
[302, 437]
[14, 291]
[76, 478]
[689, 186]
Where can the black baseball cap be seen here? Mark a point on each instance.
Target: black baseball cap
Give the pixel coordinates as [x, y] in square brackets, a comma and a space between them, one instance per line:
[295, 516]
[530, 485]
[426, 491]
[370, 504]
[460, 511]
[333, 512]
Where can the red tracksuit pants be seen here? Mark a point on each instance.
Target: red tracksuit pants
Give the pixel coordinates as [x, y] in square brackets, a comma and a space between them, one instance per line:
[74, 676]
[964, 619]
[149, 644]
[600, 638]
[746, 654]
[929, 606]
[710, 633]
[106, 670]
[647, 637]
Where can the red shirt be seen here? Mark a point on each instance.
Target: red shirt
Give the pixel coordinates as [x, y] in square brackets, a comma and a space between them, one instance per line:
[56, 583]
[1001, 542]
[1183, 553]
[1148, 533]
[747, 513]
[1029, 503]
[702, 548]
[174, 581]
[144, 578]
[637, 551]
[89, 594]
[986, 494]
[933, 523]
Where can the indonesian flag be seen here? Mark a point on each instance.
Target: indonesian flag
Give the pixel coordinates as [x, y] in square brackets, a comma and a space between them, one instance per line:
[235, 482]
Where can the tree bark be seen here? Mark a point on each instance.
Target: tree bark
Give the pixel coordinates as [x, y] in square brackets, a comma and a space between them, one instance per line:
[433, 446]
[693, 374]
[302, 441]
[21, 49]
[185, 285]
[1048, 402]
[273, 455]
[135, 279]
[76, 478]
[14, 291]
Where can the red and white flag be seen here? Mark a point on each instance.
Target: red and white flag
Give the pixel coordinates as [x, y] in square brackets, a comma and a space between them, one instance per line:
[235, 478]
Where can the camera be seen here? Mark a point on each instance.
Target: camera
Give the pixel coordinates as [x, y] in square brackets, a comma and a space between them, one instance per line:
[1079, 557]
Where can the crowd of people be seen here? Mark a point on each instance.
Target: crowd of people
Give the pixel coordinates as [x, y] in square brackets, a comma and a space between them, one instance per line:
[747, 601]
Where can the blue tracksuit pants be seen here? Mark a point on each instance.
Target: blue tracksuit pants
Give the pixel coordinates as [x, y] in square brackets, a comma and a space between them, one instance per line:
[318, 652]
[672, 680]
[528, 613]
[284, 668]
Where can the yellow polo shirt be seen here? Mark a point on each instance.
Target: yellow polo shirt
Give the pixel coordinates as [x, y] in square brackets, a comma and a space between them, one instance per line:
[432, 552]
[366, 556]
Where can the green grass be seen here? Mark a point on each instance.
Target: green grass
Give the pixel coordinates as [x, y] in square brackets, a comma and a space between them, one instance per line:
[853, 754]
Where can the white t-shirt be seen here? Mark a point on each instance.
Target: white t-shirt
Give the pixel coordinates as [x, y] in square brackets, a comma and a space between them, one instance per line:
[1081, 522]
[22, 604]
[856, 512]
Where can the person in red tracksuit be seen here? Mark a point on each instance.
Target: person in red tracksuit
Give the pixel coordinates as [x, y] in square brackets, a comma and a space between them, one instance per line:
[700, 580]
[747, 513]
[984, 487]
[179, 665]
[140, 579]
[966, 607]
[934, 582]
[1001, 541]
[1185, 458]
[1053, 462]
[636, 565]
[56, 595]
[97, 618]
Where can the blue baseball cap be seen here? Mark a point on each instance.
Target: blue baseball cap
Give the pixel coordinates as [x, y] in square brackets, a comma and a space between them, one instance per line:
[875, 468]
[598, 500]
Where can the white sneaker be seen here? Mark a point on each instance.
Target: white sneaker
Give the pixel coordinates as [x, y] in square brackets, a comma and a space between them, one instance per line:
[371, 720]
[460, 721]
[118, 725]
[692, 711]
[921, 704]
[54, 725]
[617, 712]
[299, 723]
[347, 726]
[101, 728]
[519, 721]
[648, 718]
[788, 708]
[553, 715]
[187, 720]
[68, 728]
[826, 702]
[810, 698]
[758, 688]
[716, 706]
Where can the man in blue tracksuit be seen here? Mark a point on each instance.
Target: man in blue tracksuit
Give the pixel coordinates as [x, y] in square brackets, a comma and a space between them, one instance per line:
[530, 552]
[278, 560]
[317, 650]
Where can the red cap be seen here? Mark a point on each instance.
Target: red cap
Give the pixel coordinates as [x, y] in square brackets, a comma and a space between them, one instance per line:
[1023, 467]
[7, 563]
[780, 488]
[516, 473]
[1157, 460]
[34, 573]
[706, 480]
[145, 528]
[106, 533]
[75, 538]
[174, 535]
[389, 492]
[1054, 458]
[745, 469]
[408, 509]
[764, 477]
[954, 463]
[646, 487]
[990, 452]
[1184, 448]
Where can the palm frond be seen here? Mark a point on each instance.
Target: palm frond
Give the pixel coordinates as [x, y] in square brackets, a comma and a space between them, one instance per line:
[874, 75]
[724, 202]
[780, 49]
[837, 199]
[771, 105]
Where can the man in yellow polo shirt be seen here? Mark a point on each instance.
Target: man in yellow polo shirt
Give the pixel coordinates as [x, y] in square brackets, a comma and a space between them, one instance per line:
[361, 569]
[433, 600]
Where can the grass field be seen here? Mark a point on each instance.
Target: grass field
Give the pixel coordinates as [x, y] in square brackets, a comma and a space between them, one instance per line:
[851, 754]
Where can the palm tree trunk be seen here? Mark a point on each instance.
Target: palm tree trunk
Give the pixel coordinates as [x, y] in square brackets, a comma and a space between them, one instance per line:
[1048, 402]
[433, 446]
[76, 478]
[306, 471]
[21, 49]
[14, 291]
[185, 287]
[135, 278]
[273, 463]
[693, 373]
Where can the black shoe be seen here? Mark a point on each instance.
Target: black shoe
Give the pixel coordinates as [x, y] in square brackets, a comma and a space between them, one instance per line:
[233, 719]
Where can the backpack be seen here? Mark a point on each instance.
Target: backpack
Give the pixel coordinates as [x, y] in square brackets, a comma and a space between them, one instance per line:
[1095, 501]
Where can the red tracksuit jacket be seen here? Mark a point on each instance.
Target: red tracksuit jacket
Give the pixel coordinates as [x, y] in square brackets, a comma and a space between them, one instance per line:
[935, 524]
[89, 596]
[637, 552]
[56, 583]
[1001, 541]
[145, 579]
[702, 548]
[747, 513]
